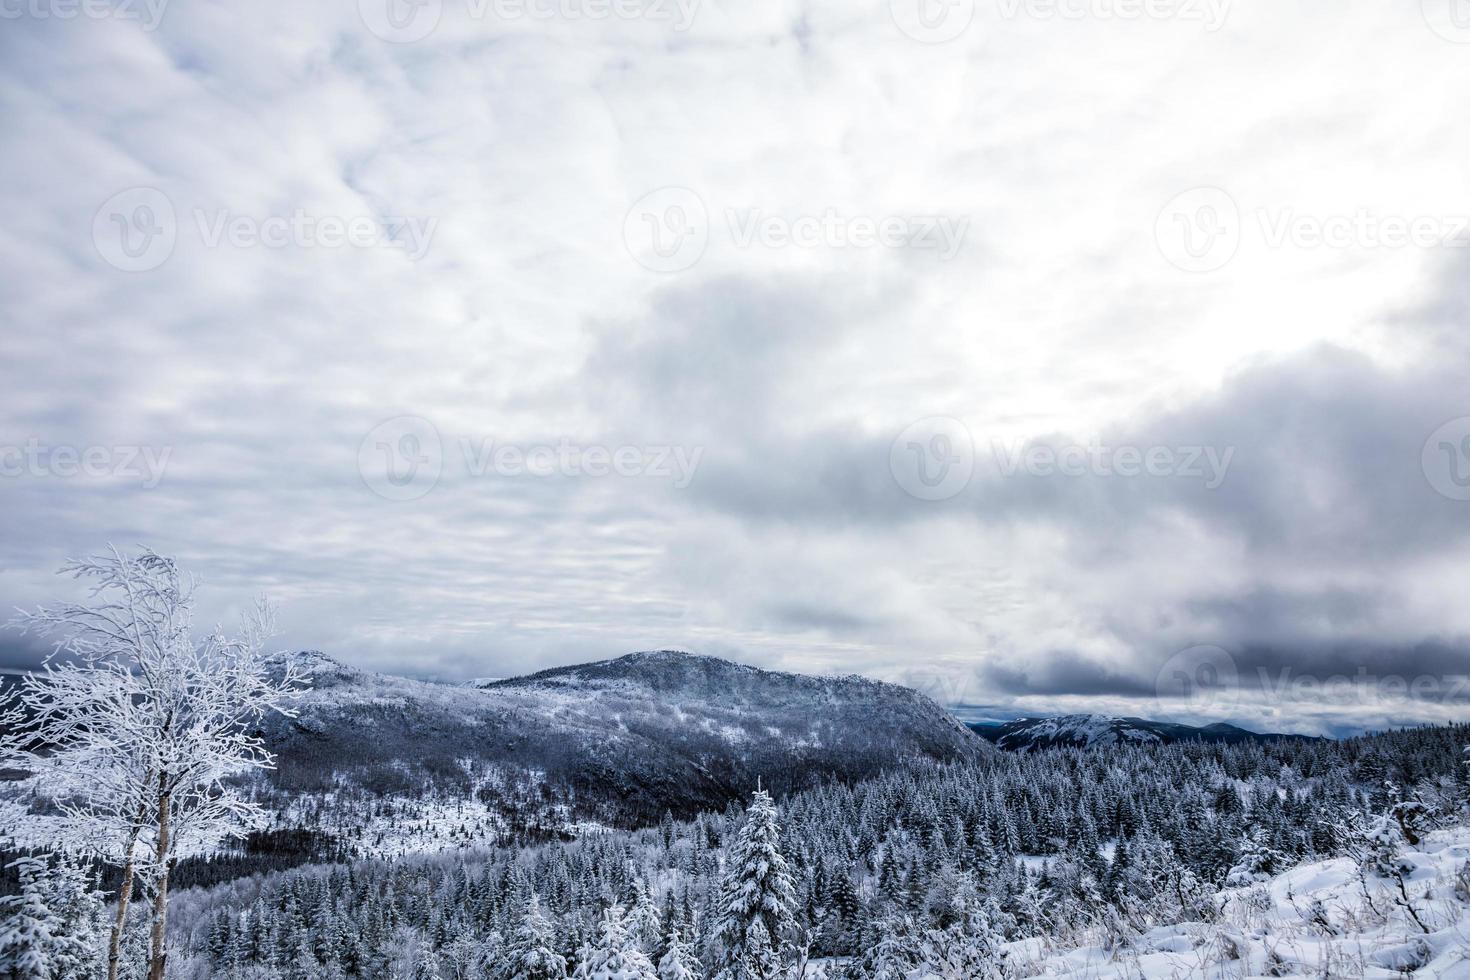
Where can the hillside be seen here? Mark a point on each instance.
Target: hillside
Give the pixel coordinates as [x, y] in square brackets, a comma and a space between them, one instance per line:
[394, 765]
[1085, 731]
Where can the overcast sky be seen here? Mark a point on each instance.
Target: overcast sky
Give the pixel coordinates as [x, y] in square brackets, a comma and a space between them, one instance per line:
[1097, 356]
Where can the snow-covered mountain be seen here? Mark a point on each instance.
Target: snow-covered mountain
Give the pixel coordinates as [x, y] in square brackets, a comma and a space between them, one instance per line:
[1083, 731]
[394, 764]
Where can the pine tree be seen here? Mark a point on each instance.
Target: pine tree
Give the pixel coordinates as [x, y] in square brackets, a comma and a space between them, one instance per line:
[679, 962]
[28, 927]
[614, 957]
[51, 930]
[645, 926]
[756, 889]
[532, 954]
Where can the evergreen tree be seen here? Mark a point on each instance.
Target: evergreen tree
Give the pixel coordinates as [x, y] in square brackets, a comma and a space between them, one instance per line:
[757, 889]
[531, 954]
[679, 962]
[51, 929]
[614, 956]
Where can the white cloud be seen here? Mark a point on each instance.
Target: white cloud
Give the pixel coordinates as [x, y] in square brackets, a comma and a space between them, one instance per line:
[526, 320]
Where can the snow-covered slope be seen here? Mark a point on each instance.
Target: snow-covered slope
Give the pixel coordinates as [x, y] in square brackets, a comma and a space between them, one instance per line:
[1316, 920]
[1084, 731]
[618, 742]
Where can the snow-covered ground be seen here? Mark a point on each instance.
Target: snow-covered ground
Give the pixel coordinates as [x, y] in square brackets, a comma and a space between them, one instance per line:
[1316, 920]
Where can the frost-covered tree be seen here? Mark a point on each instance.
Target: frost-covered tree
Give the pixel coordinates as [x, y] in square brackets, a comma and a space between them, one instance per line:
[136, 725]
[1257, 860]
[614, 956]
[645, 923]
[679, 961]
[532, 954]
[756, 890]
[51, 928]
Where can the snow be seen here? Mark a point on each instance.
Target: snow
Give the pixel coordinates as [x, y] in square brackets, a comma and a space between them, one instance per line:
[1268, 930]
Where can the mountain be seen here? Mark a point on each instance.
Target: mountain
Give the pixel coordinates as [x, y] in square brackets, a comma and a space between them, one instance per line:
[387, 764]
[1083, 731]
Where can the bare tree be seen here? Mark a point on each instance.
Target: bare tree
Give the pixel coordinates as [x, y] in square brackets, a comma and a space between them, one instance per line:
[135, 727]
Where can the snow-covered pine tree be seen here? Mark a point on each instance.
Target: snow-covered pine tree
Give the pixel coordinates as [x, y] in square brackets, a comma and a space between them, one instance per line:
[679, 961]
[645, 923]
[756, 889]
[532, 952]
[614, 956]
[29, 928]
[51, 929]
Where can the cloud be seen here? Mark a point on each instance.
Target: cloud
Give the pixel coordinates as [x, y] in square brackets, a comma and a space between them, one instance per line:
[272, 367]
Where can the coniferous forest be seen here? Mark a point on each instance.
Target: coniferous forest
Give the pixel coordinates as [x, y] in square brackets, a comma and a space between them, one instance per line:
[939, 865]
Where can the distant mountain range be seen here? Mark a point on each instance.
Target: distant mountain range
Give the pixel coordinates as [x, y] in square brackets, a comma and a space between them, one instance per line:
[1084, 731]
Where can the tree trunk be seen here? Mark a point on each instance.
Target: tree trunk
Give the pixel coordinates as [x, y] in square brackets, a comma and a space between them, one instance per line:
[125, 893]
[156, 946]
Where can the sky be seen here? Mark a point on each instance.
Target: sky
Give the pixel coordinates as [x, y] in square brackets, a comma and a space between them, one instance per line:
[1045, 355]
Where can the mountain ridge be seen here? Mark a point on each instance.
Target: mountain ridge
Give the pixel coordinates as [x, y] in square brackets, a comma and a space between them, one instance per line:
[1086, 730]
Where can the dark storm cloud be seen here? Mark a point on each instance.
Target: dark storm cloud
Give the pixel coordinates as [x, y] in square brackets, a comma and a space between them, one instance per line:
[1064, 672]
